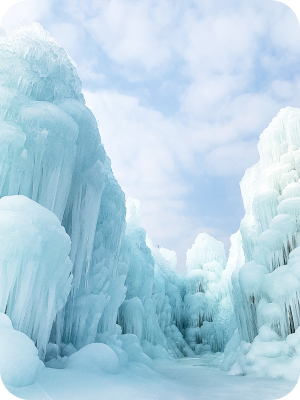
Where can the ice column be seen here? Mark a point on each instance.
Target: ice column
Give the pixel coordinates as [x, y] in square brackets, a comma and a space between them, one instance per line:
[35, 271]
[266, 289]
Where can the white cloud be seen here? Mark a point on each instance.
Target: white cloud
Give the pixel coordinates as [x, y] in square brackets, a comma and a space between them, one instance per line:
[232, 159]
[5, 6]
[26, 12]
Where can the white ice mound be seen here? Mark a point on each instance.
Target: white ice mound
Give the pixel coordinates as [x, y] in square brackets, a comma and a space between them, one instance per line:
[95, 357]
[19, 361]
[35, 272]
[268, 356]
[131, 346]
[205, 249]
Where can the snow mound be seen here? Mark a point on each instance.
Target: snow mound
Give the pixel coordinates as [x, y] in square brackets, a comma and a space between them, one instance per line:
[19, 361]
[34, 250]
[95, 357]
[135, 353]
[268, 356]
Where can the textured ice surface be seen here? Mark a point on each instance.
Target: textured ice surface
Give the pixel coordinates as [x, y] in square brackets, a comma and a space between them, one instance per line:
[195, 310]
[153, 307]
[168, 294]
[35, 271]
[19, 361]
[118, 299]
[267, 356]
[181, 379]
[266, 289]
[207, 310]
[206, 249]
[51, 152]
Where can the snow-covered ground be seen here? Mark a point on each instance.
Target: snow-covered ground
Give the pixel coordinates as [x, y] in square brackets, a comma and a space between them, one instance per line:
[183, 379]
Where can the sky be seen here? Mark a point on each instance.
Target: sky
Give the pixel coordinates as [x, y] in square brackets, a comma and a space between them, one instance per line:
[181, 91]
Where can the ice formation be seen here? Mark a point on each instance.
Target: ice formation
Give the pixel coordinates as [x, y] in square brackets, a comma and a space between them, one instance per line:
[19, 361]
[168, 295]
[52, 157]
[51, 152]
[270, 232]
[266, 289]
[207, 312]
[268, 356]
[153, 305]
[107, 295]
[34, 250]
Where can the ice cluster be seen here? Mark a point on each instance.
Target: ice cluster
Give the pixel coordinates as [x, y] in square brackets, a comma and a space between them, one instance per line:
[64, 238]
[169, 311]
[267, 286]
[59, 186]
[152, 309]
[35, 271]
[266, 289]
[207, 309]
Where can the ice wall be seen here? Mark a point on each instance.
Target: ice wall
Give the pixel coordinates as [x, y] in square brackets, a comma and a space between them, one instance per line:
[52, 153]
[207, 310]
[101, 290]
[266, 289]
[35, 273]
[168, 293]
[153, 307]
[137, 314]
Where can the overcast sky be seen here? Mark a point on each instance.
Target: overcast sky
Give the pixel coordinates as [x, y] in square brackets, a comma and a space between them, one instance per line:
[182, 91]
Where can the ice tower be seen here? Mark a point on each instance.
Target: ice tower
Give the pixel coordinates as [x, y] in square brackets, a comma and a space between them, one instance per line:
[207, 312]
[266, 290]
[51, 152]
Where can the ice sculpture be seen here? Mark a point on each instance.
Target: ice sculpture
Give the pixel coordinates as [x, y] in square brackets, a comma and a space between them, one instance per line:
[56, 172]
